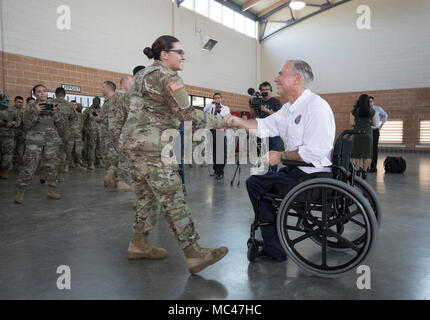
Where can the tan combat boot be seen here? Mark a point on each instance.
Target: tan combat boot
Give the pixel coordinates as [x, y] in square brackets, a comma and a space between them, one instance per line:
[19, 196]
[80, 167]
[199, 258]
[52, 194]
[135, 205]
[66, 168]
[123, 187]
[101, 164]
[91, 166]
[109, 178]
[4, 174]
[139, 248]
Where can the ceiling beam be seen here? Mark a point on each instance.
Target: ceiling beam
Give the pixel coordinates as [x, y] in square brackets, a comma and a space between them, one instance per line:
[273, 7]
[249, 4]
[235, 7]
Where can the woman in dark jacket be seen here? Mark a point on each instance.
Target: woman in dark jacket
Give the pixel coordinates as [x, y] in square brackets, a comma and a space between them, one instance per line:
[362, 117]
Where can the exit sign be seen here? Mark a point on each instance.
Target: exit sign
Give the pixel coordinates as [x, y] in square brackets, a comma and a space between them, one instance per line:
[69, 87]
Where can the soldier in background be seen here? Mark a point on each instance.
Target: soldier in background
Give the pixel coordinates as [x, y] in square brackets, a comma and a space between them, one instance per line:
[42, 142]
[29, 100]
[91, 130]
[113, 116]
[66, 111]
[19, 135]
[77, 144]
[10, 119]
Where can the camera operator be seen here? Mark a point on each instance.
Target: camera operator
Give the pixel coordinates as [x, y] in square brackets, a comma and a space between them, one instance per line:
[268, 107]
[307, 127]
[216, 108]
[42, 143]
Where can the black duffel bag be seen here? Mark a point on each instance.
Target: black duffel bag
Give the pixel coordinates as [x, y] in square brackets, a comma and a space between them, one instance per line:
[395, 164]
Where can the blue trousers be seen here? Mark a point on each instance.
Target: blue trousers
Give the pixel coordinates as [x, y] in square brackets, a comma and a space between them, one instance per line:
[258, 186]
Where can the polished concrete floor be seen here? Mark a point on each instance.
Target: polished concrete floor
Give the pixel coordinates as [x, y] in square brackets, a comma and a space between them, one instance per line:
[89, 230]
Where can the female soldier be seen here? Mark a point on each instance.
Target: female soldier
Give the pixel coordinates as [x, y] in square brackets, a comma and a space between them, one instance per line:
[159, 101]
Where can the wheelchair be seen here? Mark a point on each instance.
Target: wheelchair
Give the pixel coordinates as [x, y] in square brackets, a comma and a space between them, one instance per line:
[327, 223]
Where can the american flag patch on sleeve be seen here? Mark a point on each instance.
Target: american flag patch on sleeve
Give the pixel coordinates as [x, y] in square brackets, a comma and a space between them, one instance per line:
[175, 86]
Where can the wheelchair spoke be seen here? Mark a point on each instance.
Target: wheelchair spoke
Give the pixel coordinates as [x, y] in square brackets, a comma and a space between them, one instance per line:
[324, 250]
[343, 240]
[358, 222]
[347, 217]
[296, 229]
[306, 236]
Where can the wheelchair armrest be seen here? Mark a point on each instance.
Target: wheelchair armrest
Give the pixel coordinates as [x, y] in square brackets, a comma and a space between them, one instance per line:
[296, 163]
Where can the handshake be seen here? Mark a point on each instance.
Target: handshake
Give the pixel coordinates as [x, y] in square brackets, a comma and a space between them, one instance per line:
[232, 121]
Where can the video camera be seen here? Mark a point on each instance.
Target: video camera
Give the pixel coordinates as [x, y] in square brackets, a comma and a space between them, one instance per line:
[256, 101]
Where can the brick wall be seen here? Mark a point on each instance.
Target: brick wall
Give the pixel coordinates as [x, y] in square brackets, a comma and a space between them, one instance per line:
[21, 73]
[409, 105]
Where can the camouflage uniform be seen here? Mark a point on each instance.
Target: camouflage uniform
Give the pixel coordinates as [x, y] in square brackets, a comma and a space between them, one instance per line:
[113, 116]
[158, 99]
[91, 128]
[19, 141]
[66, 111]
[42, 143]
[77, 138]
[7, 134]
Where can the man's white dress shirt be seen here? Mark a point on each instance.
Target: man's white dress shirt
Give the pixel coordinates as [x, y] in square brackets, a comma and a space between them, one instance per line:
[308, 126]
[211, 109]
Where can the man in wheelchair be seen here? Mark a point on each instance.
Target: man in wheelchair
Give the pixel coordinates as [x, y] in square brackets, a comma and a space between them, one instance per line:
[307, 127]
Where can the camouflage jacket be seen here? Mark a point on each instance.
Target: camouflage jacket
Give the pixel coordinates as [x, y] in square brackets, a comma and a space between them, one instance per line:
[158, 99]
[14, 120]
[66, 118]
[19, 130]
[114, 113]
[40, 126]
[79, 123]
[89, 123]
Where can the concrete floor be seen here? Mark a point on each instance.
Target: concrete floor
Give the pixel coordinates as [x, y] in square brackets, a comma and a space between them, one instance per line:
[89, 230]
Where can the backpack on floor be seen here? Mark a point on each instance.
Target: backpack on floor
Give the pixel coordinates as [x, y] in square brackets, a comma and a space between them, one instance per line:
[395, 164]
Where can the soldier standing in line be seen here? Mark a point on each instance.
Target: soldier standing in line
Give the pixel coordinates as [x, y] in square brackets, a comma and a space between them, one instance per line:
[10, 119]
[42, 142]
[91, 127]
[77, 138]
[19, 135]
[66, 111]
[113, 116]
[158, 101]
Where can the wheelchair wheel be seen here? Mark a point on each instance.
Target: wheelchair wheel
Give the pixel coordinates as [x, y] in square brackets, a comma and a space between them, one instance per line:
[252, 250]
[370, 195]
[323, 213]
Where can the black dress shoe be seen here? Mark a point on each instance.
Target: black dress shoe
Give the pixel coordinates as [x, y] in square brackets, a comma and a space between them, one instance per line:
[364, 174]
[213, 174]
[219, 177]
[358, 173]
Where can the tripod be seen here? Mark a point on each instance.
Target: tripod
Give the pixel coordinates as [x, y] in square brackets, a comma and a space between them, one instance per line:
[235, 172]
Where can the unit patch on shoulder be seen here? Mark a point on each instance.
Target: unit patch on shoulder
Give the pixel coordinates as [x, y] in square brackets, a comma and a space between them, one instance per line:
[175, 86]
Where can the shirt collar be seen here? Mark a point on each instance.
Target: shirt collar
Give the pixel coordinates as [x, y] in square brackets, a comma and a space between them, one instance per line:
[299, 100]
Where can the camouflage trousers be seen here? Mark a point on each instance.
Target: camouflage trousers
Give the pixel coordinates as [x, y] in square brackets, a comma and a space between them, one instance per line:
[78, 146]
[7, 147]
[65, 154]
[93, 151]
[115, 158]
[34, 154]
[19, 151]
[158, 185]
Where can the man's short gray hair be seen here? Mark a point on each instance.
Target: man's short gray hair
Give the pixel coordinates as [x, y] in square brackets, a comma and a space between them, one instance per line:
[302, 67]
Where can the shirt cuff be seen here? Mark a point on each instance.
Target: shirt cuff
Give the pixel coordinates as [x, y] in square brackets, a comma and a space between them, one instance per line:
[310, 155]
[262, 130]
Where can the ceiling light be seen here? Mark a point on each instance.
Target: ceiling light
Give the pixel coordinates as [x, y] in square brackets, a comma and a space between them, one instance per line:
[297, 5]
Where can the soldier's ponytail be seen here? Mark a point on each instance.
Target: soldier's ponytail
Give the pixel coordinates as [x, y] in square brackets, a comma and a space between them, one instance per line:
[163, 43]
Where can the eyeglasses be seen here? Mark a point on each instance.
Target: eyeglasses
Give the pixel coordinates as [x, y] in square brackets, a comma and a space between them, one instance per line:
[179, 51]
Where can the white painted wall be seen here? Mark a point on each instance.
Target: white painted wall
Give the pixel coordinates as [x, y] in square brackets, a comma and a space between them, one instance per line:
[393, 54]
[110, 35]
